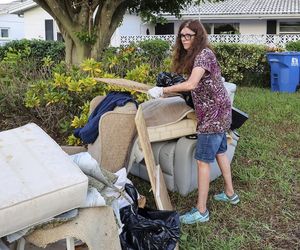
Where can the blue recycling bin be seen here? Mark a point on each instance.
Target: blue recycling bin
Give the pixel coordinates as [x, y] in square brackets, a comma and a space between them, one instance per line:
[285, 71]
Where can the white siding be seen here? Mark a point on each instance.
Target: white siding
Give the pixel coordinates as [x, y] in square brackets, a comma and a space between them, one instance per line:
[253, 27]
[15, 26]
[131, 25]
[35, 24]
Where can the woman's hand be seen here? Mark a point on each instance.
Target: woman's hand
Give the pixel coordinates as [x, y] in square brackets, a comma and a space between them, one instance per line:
[156, 92]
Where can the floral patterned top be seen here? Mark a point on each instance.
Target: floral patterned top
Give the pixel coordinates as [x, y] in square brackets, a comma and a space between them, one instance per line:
[210, 97]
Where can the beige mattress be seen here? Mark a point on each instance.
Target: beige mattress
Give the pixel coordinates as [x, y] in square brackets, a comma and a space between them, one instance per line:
[38, 180]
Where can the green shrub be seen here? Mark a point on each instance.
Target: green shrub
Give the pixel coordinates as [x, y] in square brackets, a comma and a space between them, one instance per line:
[121, 60]
[39, 49]
[155, 50]
[57, 96]
[61, 102]
[293, 46]
[17, 72]
[243, 64]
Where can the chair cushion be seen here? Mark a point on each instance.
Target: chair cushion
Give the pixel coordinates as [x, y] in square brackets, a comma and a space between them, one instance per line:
[39, 178]
[165, 111]
[171, 131]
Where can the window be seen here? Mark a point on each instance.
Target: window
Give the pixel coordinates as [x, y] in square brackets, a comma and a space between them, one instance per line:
[222, 28]
[164, 29]
[226, 28]
[289, 27]
[49, 30]
[4, 32]
[60, 37]
[271, 26]
[208, 27]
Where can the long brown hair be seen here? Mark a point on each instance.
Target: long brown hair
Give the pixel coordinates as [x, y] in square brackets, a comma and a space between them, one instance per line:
[183, 60]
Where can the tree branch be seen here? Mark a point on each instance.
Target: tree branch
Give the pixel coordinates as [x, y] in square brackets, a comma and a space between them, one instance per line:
[98, 14]
[111, 15]
[69, 9]
[95, 4]
[108, 11]
[45, 6]
[60, 14]
[117, 17]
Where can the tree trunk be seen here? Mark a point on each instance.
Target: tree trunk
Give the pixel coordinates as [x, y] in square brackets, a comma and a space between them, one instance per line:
[75, 21]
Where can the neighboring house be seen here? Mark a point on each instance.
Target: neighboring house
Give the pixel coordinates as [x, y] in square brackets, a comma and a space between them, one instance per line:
[268, 22]
[11, 25]
[246, 17]
[38, 24]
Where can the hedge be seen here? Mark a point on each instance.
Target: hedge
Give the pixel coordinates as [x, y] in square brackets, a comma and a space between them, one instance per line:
[242, 64]
[38, 49]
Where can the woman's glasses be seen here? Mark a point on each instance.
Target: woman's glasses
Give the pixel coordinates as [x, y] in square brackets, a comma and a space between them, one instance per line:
[186, 36]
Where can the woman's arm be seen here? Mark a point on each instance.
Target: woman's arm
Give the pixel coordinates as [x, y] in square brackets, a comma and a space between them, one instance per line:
[188, 85]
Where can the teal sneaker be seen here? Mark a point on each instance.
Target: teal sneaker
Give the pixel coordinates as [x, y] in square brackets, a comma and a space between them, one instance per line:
[194, 216]
[234, 199]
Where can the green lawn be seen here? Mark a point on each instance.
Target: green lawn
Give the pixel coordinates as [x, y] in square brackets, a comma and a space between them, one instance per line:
[265, 174]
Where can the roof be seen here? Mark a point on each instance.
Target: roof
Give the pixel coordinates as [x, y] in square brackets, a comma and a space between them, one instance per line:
[221, 10]
[23, 6]
[4, 8]
[239, 8]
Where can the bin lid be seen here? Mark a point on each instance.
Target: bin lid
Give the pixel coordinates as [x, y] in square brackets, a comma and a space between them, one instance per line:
[286, 53]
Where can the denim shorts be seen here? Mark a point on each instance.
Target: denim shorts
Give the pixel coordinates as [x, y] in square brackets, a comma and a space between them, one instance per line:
[209, 145]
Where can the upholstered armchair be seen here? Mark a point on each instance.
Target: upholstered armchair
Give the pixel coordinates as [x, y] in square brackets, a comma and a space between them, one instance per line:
[116, 132]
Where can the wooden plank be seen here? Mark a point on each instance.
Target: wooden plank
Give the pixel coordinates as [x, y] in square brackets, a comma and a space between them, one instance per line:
[155, 174]
[124, 83]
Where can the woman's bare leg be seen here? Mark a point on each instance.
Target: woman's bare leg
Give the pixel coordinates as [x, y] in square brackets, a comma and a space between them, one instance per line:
[226, 172]
[203, 185]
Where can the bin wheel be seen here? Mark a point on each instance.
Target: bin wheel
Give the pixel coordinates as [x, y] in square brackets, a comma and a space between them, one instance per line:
[298, 87]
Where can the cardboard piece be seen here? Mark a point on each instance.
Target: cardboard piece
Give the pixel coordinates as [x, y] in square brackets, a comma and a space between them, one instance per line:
[155, 174]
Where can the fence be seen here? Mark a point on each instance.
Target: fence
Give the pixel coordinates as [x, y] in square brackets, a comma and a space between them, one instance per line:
[270, 40]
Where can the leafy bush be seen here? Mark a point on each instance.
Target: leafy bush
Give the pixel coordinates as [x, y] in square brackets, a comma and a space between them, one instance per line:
[131, 62]
[293, 46]
[155, 50]
[243, 64]
[17, 72]
[62, 102]
[39, 49]
[57, 96]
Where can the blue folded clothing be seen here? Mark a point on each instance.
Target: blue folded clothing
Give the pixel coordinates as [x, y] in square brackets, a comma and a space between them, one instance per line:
[89, 133]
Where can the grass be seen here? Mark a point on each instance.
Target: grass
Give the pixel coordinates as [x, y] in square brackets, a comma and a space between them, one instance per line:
[265, 174]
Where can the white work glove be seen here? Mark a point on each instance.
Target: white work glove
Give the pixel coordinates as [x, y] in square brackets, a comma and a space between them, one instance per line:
[156, 92]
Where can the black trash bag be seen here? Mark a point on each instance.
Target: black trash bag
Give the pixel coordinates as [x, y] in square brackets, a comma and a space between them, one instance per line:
[145, 228]
[166, 79]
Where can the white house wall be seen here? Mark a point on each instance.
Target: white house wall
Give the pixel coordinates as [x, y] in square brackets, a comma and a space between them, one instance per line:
[131, 25]
[35, 24]
[253, 27]
[247, 27]
[15, 25]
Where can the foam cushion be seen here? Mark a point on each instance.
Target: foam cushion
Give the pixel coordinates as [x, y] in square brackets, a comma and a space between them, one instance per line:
[38, 178]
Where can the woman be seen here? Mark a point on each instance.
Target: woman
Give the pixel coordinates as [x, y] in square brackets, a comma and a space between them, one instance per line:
[194, 58]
